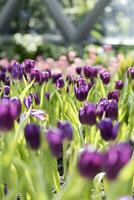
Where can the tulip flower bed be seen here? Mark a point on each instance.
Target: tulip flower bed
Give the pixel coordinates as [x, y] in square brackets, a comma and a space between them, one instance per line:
[66, 137]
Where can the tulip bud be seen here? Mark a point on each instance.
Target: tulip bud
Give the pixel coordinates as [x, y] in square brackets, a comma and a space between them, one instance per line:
[105, 77]
[6, 119]
[116, 158]
[55, 139]
[15, 107]
[81, 92]
[60, 83]
[36, 75]
[32, 136]
[119, 84]
[28, 65]
[89, 163]
[16, 71]
[115, 94]
[112, 109]
[87, 114]
[107, 129]
[90, 72]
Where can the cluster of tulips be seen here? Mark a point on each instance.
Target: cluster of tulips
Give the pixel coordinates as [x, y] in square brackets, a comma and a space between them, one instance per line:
[84, 120]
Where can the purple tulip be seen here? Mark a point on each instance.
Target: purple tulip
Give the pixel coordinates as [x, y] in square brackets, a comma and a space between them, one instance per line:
[55, 77]
[49, 71]
[78, 70]
[105, 77]
[55, 140]
[89, 163]
[6, 119]
[66, 128]
[114, 94]
[2, 76]
[130, 72]
[28, 65]
[16, 71]
[81, 81]
[112, 109]
[116, 158]
[32, 135]
[36, 75]
[119, 85]
[107, 129]
[15, 105]
[87, 114]
[45, 76]
[101, 107]
[90, 72]
[60, 83]
[81, 92]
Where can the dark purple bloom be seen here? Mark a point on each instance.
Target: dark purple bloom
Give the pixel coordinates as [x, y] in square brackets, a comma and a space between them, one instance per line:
[6, 90]
[6, 119]
[87, 114]
[116, 158]
[28, 65]
[112, 109]
[89, 163]
[32, 135]
[60, 82]
[130, 72]
[49, 71]
[2, 76]
[119, 84]
[101, 107]
[15, 106]
[90, 72]
[107, 129]
[45, 76]
[66, 128]
[78, 70]
[105, 77]
[28, 101]
[81, 81]
[36, 75]
[36, 98]
[114, 94]
[55, 77]
[47, 95]
[81, 92]
[55, 139]
[16, 71]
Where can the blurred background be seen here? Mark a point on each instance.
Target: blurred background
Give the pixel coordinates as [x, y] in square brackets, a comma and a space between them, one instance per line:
[29, 28]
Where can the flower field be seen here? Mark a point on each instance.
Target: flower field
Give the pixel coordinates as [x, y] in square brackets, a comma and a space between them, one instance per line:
[67, 127]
